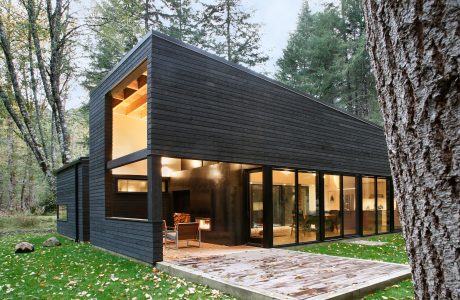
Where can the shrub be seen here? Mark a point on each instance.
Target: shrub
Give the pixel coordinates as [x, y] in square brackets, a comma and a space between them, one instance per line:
[26, 222]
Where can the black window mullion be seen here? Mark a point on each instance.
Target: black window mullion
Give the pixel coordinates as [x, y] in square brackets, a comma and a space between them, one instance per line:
[376, 205]
[341, 206]
[296, 189]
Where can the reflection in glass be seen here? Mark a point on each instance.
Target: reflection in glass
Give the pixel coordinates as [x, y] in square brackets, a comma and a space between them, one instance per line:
[308, 211]
[256, 205]
[332, 218]
[368, 193]
[284, 215]
[349, 205]
[382, 211]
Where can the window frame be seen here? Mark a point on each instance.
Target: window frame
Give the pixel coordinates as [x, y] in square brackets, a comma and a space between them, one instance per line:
[58, 215]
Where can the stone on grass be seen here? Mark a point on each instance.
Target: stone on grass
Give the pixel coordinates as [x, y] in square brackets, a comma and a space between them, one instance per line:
[51, 242]
[24, 247]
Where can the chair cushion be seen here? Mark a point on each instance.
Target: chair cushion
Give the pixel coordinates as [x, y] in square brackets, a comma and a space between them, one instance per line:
[171, 235]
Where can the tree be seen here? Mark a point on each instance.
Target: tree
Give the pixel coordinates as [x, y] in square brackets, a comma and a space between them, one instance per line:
[326, 57]
[117, 27]
[415, 54]
[36, 58]
[234, 35]
[184, 22]
[311, 59]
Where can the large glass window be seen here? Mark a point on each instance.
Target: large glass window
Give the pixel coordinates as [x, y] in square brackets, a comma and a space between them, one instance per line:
[332, 215]
[129, 113]
[256, 202]
[308, 210]
[131, 186]
[349, 205]
[284, 210]
[382, 207]
[368, 193]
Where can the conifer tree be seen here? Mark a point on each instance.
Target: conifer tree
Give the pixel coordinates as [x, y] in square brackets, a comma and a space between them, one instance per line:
[234, 35]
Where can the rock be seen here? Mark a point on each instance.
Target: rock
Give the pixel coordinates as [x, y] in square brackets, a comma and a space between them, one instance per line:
[51, 242]
[24, 247]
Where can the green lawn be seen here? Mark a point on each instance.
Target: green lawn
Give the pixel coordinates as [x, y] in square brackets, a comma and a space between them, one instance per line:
[81, 271]
[27, 224]
[393, 251]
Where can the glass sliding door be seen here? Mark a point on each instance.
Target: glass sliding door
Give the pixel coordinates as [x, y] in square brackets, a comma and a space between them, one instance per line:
[308, 209]
[256, 207]
[368, 196]
[382, 206]
[349, 205]
[332, 207]
[284, 208]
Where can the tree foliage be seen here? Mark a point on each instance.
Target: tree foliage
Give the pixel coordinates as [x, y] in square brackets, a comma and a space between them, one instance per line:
[224, 28]
[37, 41]
[326, 57]
[233, 34]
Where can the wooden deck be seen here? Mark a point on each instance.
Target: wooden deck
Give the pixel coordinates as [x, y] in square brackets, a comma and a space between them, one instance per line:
[285, 274]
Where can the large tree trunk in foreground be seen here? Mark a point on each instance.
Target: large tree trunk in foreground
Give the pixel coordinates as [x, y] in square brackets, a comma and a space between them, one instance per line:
[415, 50]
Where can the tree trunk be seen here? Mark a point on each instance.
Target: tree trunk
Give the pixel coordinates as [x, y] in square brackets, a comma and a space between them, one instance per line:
[414, 48]
[228, 22]
[10, 149]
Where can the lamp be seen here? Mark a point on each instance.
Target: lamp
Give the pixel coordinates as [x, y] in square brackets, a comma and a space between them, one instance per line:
[204, 223]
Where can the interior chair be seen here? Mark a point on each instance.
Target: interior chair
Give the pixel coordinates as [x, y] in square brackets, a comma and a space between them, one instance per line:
[184, 232]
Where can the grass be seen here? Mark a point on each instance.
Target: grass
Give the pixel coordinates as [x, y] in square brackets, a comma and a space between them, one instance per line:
[76, 270]
[27, 223]
[393, 251]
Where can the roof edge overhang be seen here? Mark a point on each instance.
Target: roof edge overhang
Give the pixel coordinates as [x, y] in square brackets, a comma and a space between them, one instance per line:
[233, 65]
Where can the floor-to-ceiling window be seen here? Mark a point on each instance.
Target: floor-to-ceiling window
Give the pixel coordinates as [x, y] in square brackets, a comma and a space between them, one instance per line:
[308, 207]
[382, 206]
[332, 207]
[256, 203]
[284, 208]
[368, 200]
[349, 205]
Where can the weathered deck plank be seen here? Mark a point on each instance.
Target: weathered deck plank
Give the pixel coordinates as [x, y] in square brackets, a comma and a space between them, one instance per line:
[291, 274]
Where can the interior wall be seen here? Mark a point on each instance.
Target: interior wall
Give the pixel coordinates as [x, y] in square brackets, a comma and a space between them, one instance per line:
[129, 134]
[332, 192]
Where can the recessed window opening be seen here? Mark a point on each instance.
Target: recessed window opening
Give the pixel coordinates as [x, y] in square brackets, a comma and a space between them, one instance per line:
[62, 212]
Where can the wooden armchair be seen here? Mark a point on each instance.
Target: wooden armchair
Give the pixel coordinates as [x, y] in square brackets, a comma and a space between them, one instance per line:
[184, 232]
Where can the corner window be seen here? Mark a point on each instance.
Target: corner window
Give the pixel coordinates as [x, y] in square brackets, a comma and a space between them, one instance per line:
[62, 212]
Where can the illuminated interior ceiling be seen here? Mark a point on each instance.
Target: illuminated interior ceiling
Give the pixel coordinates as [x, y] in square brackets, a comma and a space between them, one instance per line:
[130, 97]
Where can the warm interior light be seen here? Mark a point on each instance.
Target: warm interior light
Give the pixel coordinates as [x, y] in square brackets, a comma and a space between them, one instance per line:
[204, 223]
[166, 172]
[196, 163]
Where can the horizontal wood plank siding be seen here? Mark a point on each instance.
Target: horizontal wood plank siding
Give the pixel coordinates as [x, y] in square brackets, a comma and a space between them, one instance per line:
[204, 108]
[83, 187]
[66, 196]
[131, 238]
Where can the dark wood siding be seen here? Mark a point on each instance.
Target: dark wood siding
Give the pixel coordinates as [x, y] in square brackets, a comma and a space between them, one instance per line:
[66, 196]
[131, 238]
[205, 108]
[73, 179]
[83, 187]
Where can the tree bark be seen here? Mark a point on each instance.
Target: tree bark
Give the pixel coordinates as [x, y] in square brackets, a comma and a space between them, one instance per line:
[10, 149]
[415, 51]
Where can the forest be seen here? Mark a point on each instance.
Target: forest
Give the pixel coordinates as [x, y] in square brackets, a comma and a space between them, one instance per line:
[48, 46]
